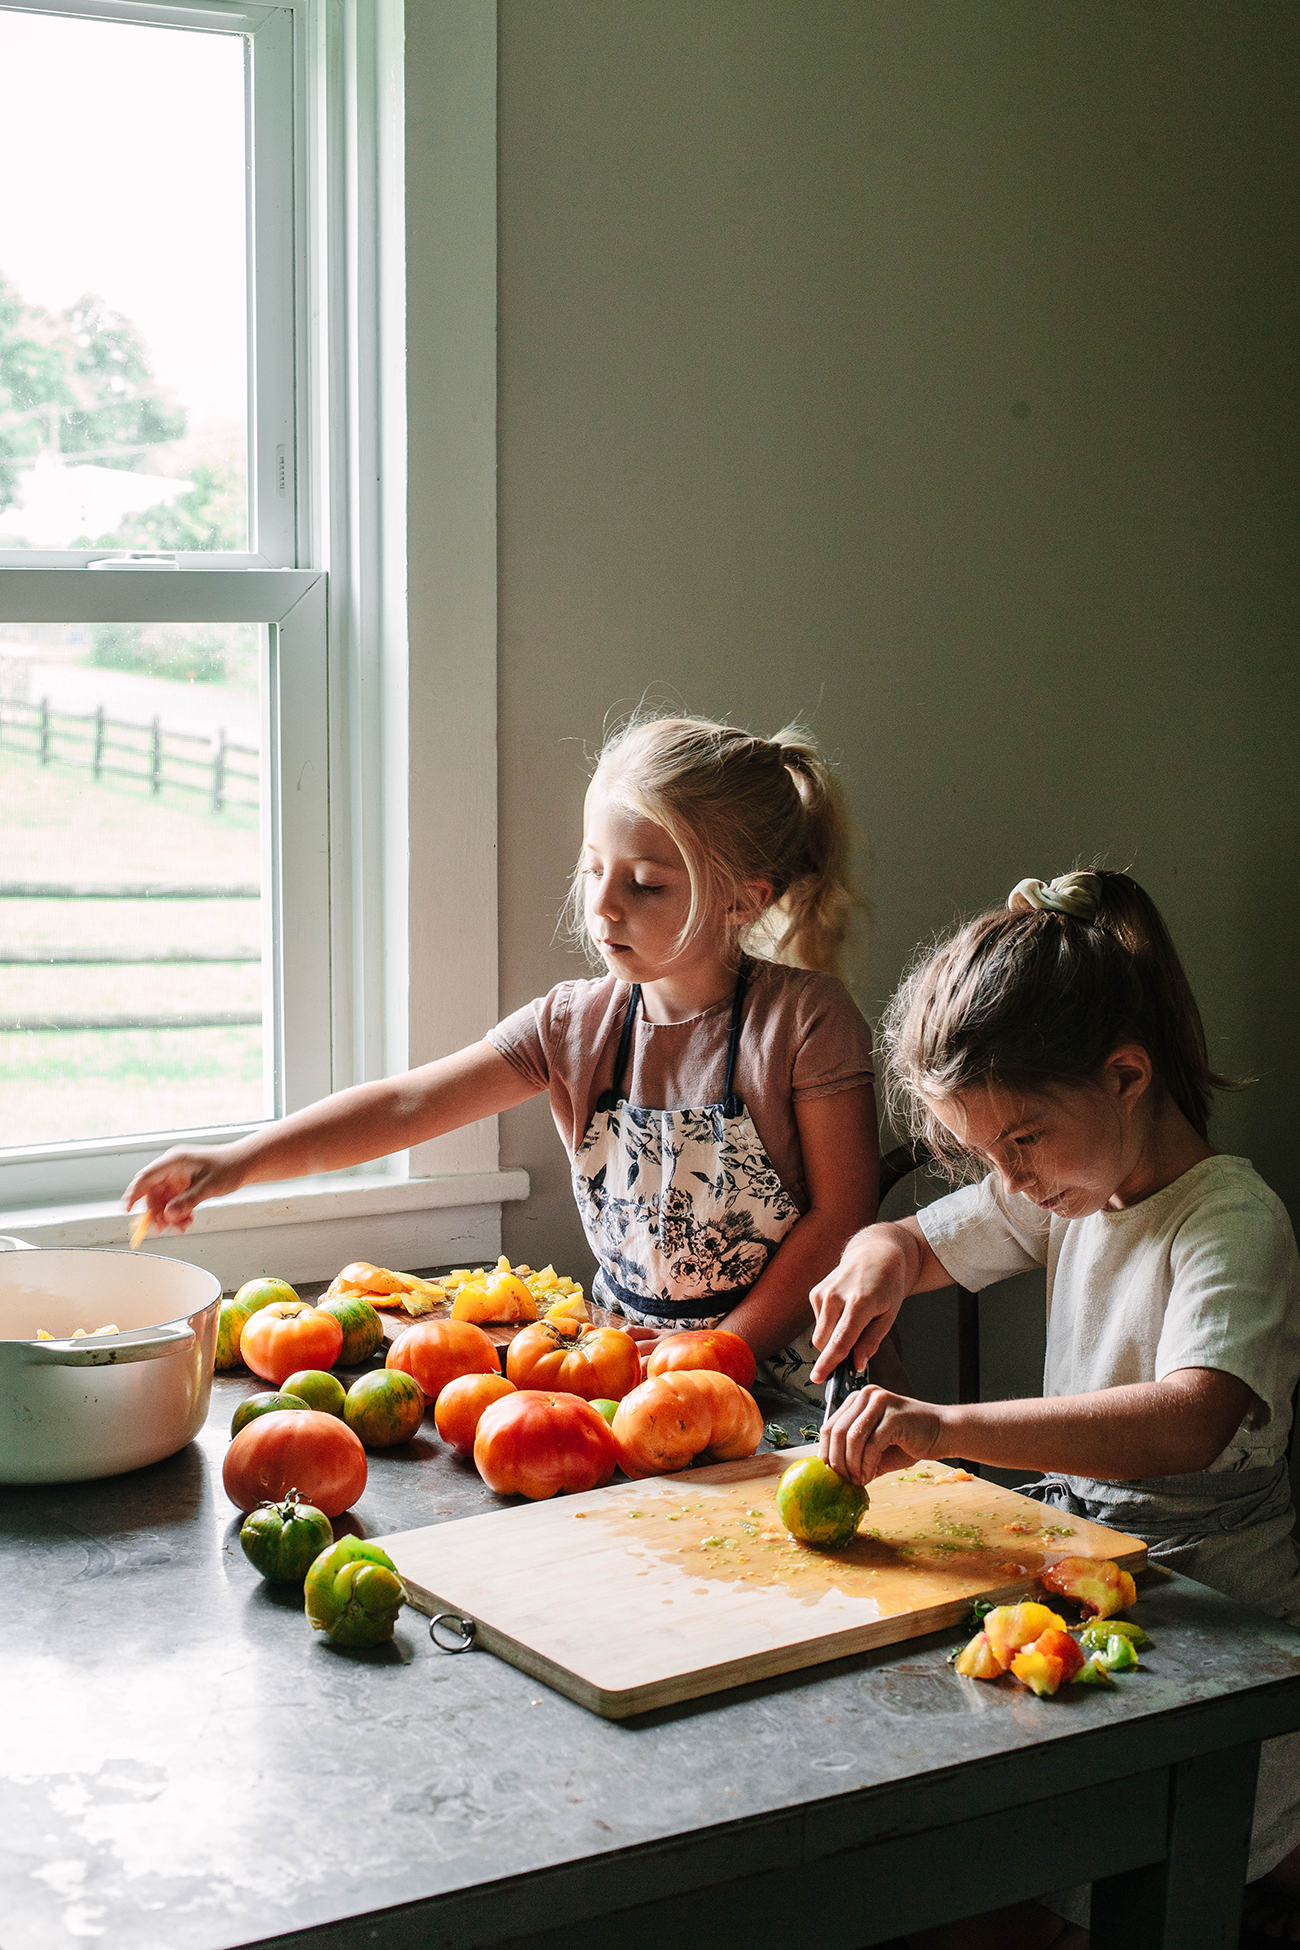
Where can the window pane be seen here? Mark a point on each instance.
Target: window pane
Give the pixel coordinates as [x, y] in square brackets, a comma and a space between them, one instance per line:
[123, 381]
[131, 952]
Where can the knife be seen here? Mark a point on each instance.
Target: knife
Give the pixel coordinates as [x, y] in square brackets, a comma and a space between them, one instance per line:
[843, 1383]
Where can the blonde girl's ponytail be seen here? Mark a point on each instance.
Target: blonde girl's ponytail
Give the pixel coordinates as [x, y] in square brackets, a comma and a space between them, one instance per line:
[743, 809]
[809, 923]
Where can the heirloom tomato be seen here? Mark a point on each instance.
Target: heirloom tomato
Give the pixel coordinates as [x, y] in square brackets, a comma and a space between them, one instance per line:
[672, 1418]
[384, 1407]
[353, 1593]
[535, 1444]
[230, 1325]
[603, 1362]
[436, 1351]
[704, 1347]
[289, 1334]
[819, 1507]
[269, 1403]
[255, 1294]
[283, 1540]
[499, 1296]
[316, 1388]
[1097, 1583]
[462, 1402]
[312, 1453]
[363, 1330]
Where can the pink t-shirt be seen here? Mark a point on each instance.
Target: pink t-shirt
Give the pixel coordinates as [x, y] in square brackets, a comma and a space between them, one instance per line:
[801, 1036]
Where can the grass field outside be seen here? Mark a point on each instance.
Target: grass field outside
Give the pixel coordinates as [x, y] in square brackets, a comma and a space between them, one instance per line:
[62, 826]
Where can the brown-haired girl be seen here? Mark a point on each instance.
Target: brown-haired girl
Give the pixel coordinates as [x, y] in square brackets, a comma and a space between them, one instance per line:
[1057, 1041]
[713, 1088]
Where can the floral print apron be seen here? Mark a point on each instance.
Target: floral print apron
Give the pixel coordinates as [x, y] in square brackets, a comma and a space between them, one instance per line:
[683, 1209]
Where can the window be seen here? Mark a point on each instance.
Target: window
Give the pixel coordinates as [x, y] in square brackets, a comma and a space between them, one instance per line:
[164, 751]
[318, 821]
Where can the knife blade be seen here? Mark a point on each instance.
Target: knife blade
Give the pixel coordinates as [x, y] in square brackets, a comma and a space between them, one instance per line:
[844, 1381]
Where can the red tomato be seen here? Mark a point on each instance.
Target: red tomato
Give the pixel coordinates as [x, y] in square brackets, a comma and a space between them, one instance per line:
[288, 1335]
[306, 1451]
[436, 1351]
[462, 1402]
[705, 1347]
[534, 1444]
[672, 1418]
[603, 1362]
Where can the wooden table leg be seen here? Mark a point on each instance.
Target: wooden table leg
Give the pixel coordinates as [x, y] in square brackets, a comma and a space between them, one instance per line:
[1191, 1900]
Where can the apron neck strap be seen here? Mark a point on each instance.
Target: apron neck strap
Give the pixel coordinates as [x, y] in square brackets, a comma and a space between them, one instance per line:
[608, 1099]
[731, 1104]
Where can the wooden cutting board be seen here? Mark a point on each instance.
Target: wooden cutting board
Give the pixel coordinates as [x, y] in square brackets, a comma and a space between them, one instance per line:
[643, 1594]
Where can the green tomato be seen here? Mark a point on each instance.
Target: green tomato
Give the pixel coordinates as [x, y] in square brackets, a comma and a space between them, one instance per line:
[230, 1326]
[1093, 1637]
[283, 1540]
[255, 1294]
[1093, 1674]
[363, 1330]
[264, 1404]
[353, 1593]
[384, 1407]
[317, 1388]
[604, 1406]
[819, 1507]
[1120, 1654]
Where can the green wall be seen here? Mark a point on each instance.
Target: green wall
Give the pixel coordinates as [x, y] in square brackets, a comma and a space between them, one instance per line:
[930, 369]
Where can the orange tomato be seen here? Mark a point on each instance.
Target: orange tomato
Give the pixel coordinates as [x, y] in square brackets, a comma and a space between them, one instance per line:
[462, 1402]
[436, 1351]
[306, 1451]
[602, 1362]
[502, 1296]
[705, 1347]
[672, 1418]
[535, 1444]
[288, 1335]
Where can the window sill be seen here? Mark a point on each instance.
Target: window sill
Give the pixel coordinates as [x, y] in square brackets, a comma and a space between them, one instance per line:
[307, 1228]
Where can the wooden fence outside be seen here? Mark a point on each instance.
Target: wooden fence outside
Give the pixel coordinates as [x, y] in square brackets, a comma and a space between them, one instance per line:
[95, 751]
[115, 957]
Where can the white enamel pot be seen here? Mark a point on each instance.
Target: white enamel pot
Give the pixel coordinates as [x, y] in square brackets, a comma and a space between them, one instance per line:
[73, 1409]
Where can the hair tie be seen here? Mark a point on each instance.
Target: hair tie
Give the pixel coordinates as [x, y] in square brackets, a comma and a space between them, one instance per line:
[1061, 896]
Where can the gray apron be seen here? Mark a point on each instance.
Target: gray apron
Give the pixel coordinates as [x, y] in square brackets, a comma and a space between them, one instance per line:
[1230, 1529]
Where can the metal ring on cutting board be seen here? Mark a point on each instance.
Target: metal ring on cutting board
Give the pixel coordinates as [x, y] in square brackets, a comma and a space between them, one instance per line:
[452, 1621]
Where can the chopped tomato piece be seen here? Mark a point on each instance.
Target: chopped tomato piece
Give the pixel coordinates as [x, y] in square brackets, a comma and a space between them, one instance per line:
[1094, 1582]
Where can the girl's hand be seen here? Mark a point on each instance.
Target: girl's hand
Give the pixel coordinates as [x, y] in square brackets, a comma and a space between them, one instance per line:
[174, 1184]
[856, 1305]
[874, 1431]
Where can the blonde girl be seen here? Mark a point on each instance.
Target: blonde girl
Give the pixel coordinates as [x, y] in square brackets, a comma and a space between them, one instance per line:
[1055, 1047]
[712, 1087]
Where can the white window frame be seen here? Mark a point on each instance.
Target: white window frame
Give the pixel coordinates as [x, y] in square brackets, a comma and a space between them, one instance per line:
[384, 854]
[274, 265]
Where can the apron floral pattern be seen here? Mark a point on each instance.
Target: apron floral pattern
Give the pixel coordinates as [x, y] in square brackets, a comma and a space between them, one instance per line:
[683, 1208]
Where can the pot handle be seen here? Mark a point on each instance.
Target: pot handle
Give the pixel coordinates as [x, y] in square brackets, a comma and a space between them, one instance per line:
[97, 1351]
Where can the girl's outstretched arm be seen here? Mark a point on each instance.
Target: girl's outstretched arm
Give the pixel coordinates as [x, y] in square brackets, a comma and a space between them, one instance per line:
[369, 1121]
[858, 1301]
[840, 1154]
[1147, 1428]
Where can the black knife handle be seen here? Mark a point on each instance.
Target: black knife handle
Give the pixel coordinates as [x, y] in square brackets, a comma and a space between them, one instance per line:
[843, 1383]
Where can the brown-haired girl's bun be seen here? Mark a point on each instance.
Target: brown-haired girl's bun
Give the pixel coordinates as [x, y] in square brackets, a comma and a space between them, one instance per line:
[744, 809]
[1040, 992]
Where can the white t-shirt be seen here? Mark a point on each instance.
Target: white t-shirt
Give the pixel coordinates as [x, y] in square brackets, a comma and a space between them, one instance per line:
[1203, 1274]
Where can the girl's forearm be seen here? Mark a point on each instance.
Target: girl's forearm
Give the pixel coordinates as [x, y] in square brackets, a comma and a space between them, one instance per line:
[372, 1120]
[1156, 1428]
